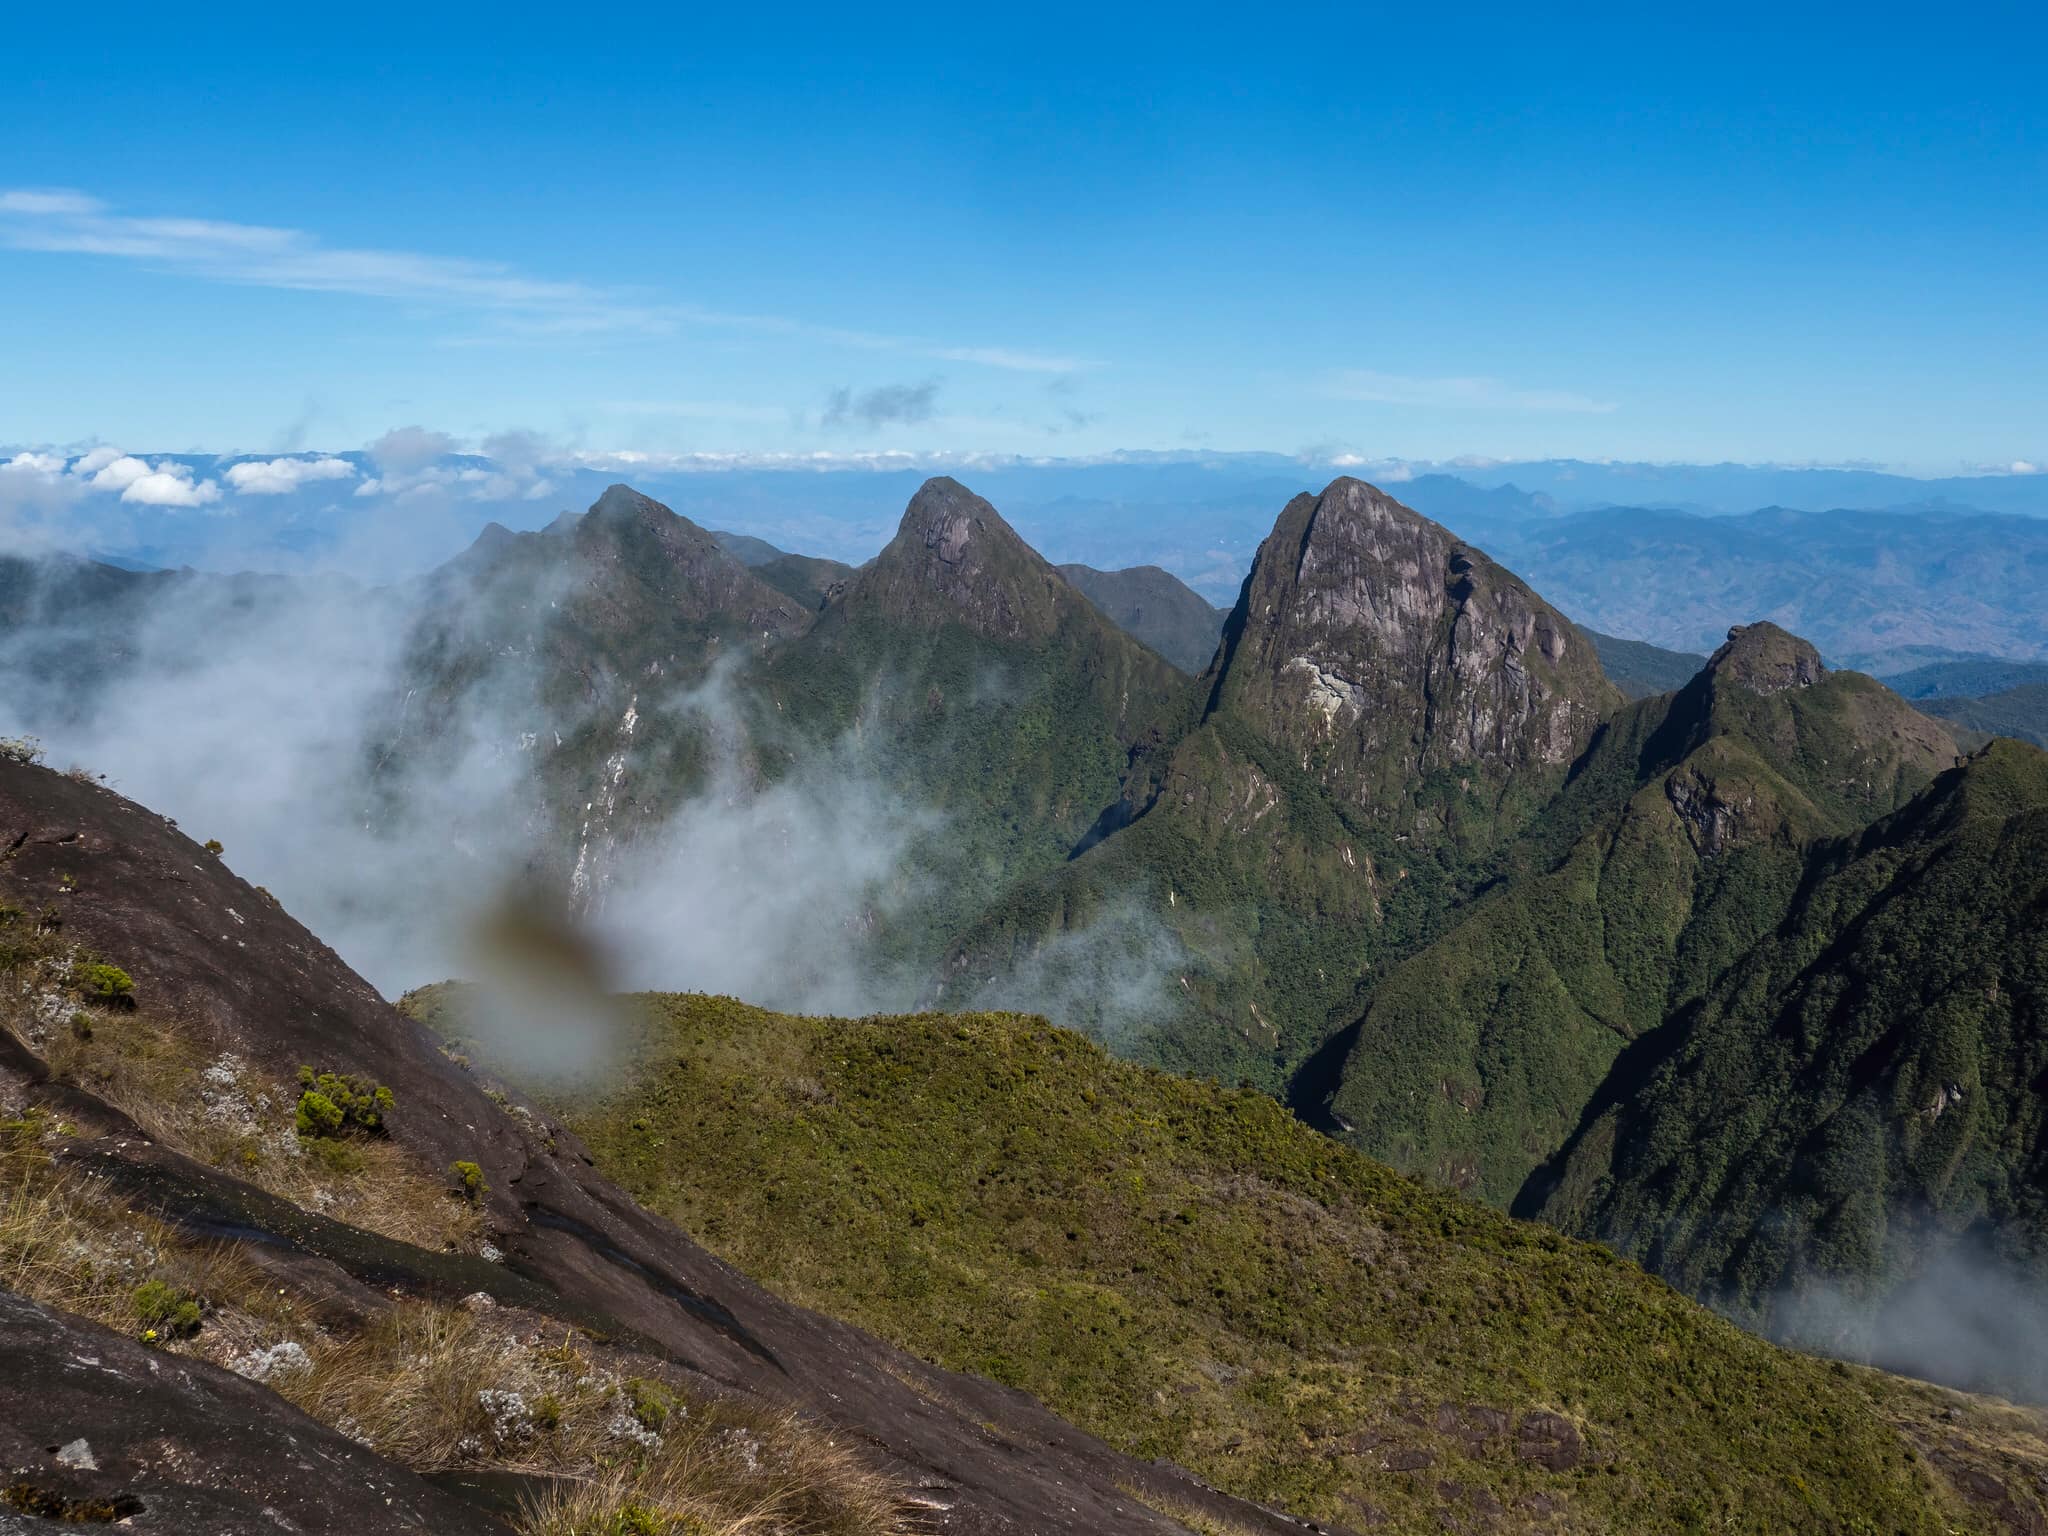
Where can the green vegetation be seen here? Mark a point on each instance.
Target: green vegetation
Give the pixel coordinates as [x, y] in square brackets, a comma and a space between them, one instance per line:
[106, 983]
[164, 1311]
[1640, 669]
[1155, 608]
[2021, 712]
[1190, 1272]
[469, 1180]
[1675, 848]
[1862, 1087]
[334, 1105]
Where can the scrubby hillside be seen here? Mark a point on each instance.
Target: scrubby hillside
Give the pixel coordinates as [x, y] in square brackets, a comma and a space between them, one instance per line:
[1193, 1273]
[2020, 712]
[1844, 1139]
[1674, 849]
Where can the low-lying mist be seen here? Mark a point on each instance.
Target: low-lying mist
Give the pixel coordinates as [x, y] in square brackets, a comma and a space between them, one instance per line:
[1966, 1316]
[401, 822]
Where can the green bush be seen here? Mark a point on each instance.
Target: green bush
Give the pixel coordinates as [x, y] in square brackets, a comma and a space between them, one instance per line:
[165, 1311]
[332, 1104]
[107, 983]
[214, 846]
[317, 1115]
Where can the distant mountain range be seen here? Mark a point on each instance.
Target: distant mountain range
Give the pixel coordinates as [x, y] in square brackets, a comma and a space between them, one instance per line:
[1669, 554]
[1400, 852]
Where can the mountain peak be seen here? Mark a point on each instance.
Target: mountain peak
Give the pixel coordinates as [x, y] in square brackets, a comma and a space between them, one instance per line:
[622, 500]
[956, 526]
[954, 560]
[1382, 648]
[642, 563]
[1766, 659]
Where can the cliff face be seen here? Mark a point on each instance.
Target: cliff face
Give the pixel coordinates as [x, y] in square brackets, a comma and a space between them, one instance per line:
[1382, 650]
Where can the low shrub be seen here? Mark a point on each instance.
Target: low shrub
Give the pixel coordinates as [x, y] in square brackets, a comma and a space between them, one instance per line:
[469, 1180]
[164, 1311]
[331, 1104]
[107, 983]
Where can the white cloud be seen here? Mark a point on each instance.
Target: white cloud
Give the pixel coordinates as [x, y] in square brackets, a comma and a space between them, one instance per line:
[1016, 362]
[170, 484]
[1457, 394]
[279, 477]
[2025, 467]
[115, 474]
[32, 200]
[63, 221]
[43, 466]
[92, 463]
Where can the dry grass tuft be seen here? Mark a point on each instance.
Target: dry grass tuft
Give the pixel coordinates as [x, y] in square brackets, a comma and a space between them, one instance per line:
[216, 1108]
[440, 1388]
[67, 1242]
[1198, 1520]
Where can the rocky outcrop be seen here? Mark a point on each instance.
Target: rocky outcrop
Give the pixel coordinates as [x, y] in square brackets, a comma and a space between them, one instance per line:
[1766, 659]
[1382, 649]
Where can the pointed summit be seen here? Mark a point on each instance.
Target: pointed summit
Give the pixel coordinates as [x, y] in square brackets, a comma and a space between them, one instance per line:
[954, 560]
[1383, 649]
[651, 564]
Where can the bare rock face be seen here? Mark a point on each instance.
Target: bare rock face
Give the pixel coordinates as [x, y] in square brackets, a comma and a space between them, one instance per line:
[1383, 649]
[1766, 659]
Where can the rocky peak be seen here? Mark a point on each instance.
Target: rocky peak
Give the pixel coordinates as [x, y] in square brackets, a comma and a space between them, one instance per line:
[1382, 647]
[954, 560]
[635, 550]
[1766, 659]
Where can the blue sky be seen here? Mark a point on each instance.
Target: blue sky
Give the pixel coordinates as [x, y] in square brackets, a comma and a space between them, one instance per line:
[1794, 235]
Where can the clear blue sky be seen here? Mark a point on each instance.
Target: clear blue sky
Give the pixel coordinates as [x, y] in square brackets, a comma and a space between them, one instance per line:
[1783, 234]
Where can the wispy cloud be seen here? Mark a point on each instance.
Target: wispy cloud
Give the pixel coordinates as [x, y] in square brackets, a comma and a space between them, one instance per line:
[1458, 394]
[64, 221]
[881, 406]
